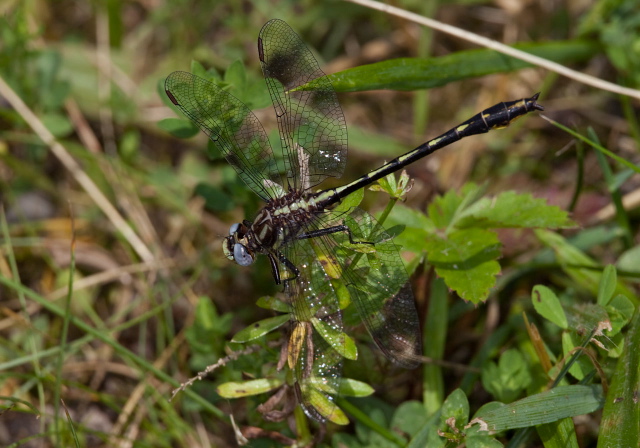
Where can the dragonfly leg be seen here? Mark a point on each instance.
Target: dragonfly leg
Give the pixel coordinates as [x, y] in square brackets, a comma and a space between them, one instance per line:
[329, 230]
[275, 269]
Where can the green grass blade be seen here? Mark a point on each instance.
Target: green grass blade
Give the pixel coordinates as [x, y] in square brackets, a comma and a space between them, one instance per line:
[621, 416]
[425, 73]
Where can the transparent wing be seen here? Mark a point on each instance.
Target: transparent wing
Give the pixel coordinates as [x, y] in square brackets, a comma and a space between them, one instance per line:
[316, 332]
[312, 126]
[231, 125]
[378, 284]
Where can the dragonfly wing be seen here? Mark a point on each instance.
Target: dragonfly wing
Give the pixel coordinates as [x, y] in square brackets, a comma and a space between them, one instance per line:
[378, 285]
[231, 125]
[316, 341]
[312, 126]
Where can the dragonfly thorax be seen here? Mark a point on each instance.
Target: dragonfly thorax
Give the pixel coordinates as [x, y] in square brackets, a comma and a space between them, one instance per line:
[279, 222]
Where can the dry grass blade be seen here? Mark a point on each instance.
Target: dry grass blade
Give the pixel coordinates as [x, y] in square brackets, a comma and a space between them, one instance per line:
[76, 171]
[497, 46]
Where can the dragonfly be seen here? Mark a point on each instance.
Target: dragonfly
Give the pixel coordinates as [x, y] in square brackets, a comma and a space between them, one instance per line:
[325, 255]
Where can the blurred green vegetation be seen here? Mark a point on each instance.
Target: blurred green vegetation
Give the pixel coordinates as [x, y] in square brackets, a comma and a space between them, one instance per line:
[96, 366]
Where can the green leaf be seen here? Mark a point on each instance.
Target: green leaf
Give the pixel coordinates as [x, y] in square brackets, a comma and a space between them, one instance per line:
[508, 378]
[545, 407]
[454, 409]
[58, 124]
[354, 388]
[582, 366]
[409, 417]
[208, 333]
[425, 73]
[273, 303]
[178, 127]
[620, 311]
[466, 260]
[237, 389]
[607, 285]
[446, 210]
[515, 210]
[236, 76]
[630, 260]
[417, 227]
[198, 70]
[621, 414]
[353, 200]
[569, 256]
[260, 328]
[560, 434]
[216, 200]
[326, 407]
[341, 342]
[396, 189]
[546, 303]
[584, 318]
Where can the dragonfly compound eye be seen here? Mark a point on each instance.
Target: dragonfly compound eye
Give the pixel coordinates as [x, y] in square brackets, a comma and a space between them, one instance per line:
[234, 228]
[241, 255]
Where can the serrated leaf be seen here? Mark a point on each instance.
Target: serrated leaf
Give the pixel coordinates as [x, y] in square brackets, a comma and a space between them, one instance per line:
[546, 303]
[446, 210]
[466, 260]
[351, 201]
[545, 407]
[621, 414]
[178, 127]
[514, 210]
[508, 378]
[237, 389]
[260, 328]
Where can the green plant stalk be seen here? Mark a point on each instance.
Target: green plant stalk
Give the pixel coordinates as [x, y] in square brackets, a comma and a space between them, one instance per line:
[631, 117]
[367, 421]
[63, 344]
[621, 415]
[596, 146]
[616, 196]
[421, 97]
[302, 425]
[23, 303]
[435, 333]
[521, 435]
[579, 176]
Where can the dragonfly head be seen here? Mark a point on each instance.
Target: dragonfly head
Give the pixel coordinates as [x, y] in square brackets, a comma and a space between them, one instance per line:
[235, 246]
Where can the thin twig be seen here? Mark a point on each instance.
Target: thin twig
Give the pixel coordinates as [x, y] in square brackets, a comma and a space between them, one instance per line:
[504, 49]
[76, 171]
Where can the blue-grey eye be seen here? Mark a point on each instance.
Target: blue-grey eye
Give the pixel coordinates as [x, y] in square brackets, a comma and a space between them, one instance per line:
[234, 228]
[241, 255]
